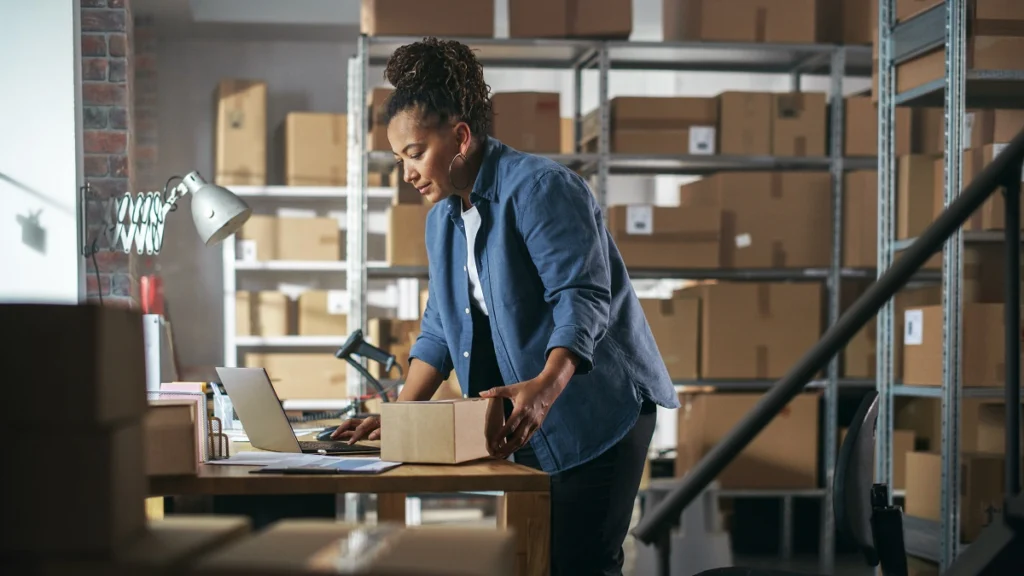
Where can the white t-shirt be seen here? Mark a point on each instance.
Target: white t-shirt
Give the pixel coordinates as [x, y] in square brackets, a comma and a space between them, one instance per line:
[471, 221]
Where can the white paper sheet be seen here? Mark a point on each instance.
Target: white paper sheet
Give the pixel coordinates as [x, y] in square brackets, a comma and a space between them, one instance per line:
[279, 460]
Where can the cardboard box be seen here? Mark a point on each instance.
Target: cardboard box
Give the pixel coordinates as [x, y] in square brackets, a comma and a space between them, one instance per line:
[798, 124]
[740, 325]
[171, 441]
[675, 323]
[986, 127]
[661, 237]
[858, 22]
[528, 121]
[768, 219]
[992, 214]
[861, 131]
[98, 378]
[104, 507]
[323, 313]
[802, 21]
[297, 376]
[240, 146]
[982, 349]
[439, 432]
[394, 336]
[745, 127]
[316, 149]
[567, 141]
[705, 419]
[377, 115]
[263, 314]
[929, 131]
[714, 20]
[902, 444]
[984, 273]
[859, 355]
[657, 125]
[981, 489]
[907, 9]
[406, 240]
[860, 219]
[452, 18]
[267, 238]
[982, 423]
[319, 546]
[906, 299]
[915, 192]
[606, 19]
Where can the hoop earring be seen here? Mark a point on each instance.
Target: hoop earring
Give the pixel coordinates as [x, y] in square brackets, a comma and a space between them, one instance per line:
[450, 165]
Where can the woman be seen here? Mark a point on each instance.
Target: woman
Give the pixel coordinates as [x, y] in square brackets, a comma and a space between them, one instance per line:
[529, 301]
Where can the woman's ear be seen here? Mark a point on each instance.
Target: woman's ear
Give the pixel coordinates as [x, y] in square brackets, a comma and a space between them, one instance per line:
[464, 137]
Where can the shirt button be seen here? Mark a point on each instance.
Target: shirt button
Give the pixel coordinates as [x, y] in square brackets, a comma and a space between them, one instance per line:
[465, 354]
[467, 310]
[464, 268]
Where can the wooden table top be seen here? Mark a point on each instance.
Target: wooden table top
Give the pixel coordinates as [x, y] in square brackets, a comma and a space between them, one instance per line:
[483, 475]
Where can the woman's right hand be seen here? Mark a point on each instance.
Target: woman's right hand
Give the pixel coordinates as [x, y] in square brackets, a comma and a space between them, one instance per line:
[355, 429]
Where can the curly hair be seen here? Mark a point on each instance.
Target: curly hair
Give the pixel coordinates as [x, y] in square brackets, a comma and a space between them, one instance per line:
[443, 80]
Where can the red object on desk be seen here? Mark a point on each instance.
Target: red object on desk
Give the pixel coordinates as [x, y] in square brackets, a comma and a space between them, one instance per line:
[151, 294]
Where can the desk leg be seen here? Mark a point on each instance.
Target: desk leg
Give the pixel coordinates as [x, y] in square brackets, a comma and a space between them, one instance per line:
[529, 514]
[391, 507]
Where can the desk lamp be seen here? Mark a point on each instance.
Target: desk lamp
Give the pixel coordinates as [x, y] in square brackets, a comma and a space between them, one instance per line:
[357, 346]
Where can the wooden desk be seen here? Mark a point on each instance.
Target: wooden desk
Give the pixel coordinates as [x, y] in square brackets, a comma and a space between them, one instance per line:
[525, 505]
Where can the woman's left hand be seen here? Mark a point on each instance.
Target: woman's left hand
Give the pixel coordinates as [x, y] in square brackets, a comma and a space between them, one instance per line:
[531, 401]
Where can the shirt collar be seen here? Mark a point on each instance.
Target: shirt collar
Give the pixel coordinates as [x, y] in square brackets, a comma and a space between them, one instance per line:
[485, 186]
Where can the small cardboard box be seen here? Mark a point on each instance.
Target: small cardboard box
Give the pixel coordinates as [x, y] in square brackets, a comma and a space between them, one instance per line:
[99, 377]
[297, 376]
[267, 238]
[294, 547]
[323, 313]
[316, 149]
[171, 438]
[263, 313]
[675, 323]
[528, 121]
[861, 132]
[662, 237]
[745, 127]
[606, 19]
[406, 240]
[915, 194]
[240, 148]
[860, 220]
[439, 432]
[798, 124]
[452, 18]
[714, 20]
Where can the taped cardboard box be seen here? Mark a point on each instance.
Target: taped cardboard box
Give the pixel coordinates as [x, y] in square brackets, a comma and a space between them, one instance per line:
[798, 124]
[659, 237]
[992, 214]
[860, 219]
[439, 431]
[657, 125]
[528, 121]
[902, 444]
[675, 323]
[604, 19]
[100, 378]
[452, 18]
[706, 418]
[240, 146]
[323, 313]
[266, 238]
[262, 313]
[294, 547]
[745, 127]
[298, 376]
[768, 219]
[406, 239]
[170, 430]
[316, 149]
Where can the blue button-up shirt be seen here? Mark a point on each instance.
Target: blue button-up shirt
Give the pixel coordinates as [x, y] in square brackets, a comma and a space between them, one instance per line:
[551, 277]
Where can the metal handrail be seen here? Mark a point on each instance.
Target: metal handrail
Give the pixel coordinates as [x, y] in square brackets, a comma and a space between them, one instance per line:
[1003, 171]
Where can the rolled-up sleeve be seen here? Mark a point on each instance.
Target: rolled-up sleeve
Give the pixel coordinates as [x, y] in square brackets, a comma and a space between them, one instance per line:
[431, 346]
[563, 230]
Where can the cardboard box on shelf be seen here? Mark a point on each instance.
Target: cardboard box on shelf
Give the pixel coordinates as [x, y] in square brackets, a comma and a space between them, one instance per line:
[240, 148]
[528, 121]
[798, 124]
[745, 126]
[902, 444]
[984, 273]
[262, 313]
[906, 299]
[323, 313]
[860, 219]
[714, 20]
[378, 127]
[606, 19]
[706, 418]
[907, 9]
[99, 379]
[858, 357]
[661, 237]
[439, 432]
[104, 507]
[857, 23]
[675, 323]
[317, 546]
[802, 21]
[171, 440]
[915, 192]
[406, 240]
[982, 423]
[265, 238]
[394, 336]
[986, 127]
[993, 51]
[982, 351]
[861, 132]
[315, 151]
[768, 219]
[299, 376]
[981, 489]
[567, 139]
[452, 18]
[740, 324]
[658, 125]
[992, 214]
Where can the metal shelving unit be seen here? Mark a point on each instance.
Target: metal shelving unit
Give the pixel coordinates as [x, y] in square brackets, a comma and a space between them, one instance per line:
[942, 27]
[580, 55]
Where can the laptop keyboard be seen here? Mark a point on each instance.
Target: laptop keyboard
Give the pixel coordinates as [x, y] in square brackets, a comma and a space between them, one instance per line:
[335, 447]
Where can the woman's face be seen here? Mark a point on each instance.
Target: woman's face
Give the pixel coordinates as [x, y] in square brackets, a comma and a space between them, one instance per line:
[424, 153]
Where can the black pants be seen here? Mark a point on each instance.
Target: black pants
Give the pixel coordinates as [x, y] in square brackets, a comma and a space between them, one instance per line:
[591, 504]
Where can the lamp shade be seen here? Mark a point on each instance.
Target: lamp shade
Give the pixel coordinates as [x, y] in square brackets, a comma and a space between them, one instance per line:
[216, 212]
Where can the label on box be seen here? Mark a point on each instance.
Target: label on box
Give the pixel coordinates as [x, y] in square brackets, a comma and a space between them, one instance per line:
[247, 250]
[640, 220]
[702, 140]
[913, 327]
[744, 241]
[968, 130]
[337, 302]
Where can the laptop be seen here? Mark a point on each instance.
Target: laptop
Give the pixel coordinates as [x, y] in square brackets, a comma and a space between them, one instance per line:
[263, 418]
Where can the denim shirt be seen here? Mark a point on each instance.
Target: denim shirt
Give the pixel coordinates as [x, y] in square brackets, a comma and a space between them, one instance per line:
[551, 277]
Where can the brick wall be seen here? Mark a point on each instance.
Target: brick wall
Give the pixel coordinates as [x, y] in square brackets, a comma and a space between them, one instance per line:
[107, 82]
